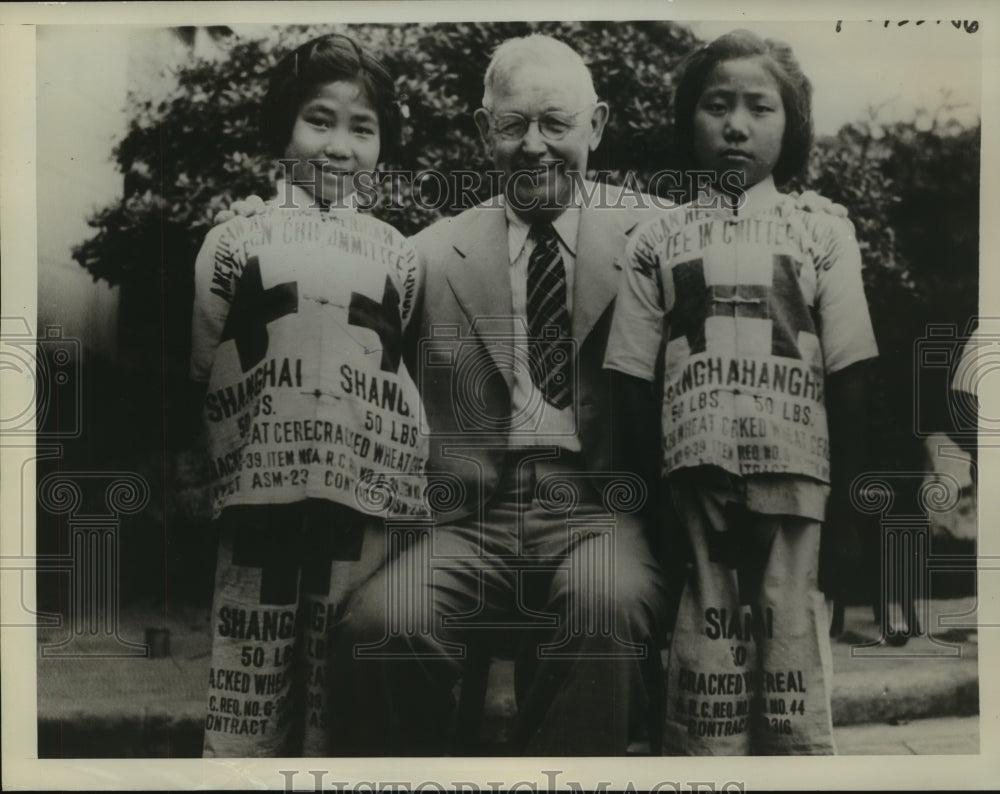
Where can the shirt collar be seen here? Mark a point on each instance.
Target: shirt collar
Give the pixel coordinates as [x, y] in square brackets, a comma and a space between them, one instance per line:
[302, 199]
[566, 226]
[758, 198]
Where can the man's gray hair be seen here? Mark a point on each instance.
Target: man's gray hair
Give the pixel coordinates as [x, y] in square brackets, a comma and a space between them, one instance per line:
[536, 51]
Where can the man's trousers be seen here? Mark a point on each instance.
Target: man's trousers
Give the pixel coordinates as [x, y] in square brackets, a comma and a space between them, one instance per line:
[573, 582]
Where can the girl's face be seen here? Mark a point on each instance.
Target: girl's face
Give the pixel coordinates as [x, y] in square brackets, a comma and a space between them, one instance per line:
[338, 126]
[739, 121]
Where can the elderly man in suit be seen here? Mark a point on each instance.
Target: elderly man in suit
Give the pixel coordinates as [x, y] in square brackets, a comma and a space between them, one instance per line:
[513, 317]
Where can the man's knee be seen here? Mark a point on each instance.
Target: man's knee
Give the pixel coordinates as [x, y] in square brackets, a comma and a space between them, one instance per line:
[387, 623]
[631, 595]
[640, 582]
[639, 602]
[364, 620]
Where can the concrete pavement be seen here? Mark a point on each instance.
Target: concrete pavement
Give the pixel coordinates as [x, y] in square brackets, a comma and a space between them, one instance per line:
[932, 736]
[922, 697]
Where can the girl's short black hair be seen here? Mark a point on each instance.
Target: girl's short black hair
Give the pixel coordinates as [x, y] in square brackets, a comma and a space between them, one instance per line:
[795, 88]
[327, 59]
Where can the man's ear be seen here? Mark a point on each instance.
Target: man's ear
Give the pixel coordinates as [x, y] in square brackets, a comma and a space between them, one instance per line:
[482, 118]
[597, 121]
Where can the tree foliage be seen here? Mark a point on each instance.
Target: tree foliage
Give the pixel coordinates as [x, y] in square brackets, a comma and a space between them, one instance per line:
[912, 189]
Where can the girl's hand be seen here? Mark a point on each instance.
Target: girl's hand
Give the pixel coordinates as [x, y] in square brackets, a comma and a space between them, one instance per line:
[811, 201]
[246, 208]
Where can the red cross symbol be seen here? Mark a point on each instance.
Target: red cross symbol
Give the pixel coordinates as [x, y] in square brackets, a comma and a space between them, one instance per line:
[383, 319]
[781, 302]
[253, 308]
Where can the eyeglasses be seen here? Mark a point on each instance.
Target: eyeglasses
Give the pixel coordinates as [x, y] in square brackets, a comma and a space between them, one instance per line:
[552, 125]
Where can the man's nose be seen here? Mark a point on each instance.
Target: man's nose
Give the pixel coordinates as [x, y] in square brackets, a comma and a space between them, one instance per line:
[533, 142]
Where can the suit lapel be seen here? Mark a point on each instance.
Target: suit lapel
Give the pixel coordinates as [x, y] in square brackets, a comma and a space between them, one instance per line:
[479, 275]
[600, 244]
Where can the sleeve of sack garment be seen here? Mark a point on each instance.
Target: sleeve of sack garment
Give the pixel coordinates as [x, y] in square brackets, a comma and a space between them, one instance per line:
[637, 326]
[216, 274]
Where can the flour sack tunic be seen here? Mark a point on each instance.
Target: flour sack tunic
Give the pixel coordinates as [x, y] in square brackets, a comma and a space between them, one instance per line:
[312, 421]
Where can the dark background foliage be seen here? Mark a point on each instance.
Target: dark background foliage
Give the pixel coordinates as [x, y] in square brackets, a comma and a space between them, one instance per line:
[912, 189]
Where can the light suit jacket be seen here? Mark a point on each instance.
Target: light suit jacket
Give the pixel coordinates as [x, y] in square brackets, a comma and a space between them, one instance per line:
[462, 357]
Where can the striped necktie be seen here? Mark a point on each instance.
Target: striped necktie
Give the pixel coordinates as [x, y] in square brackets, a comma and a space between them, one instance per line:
[551, 349]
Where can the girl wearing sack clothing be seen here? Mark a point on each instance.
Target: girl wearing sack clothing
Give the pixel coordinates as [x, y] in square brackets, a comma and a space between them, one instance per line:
[298, 320]
[761, 313]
